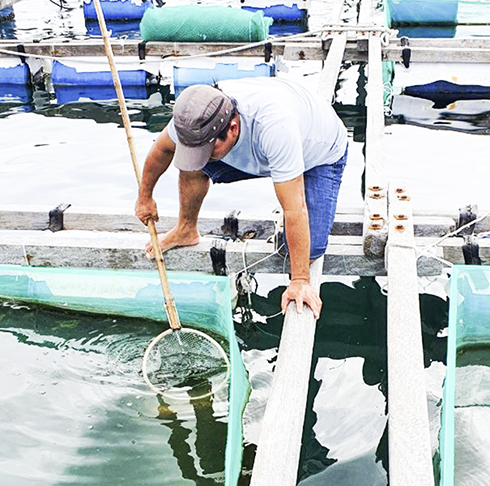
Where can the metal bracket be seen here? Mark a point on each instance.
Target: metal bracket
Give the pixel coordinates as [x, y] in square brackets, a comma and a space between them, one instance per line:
[218, 257]
[407, 52]
[267, 51]
[230, 225]
[142, 50]
[21, 48]
[56, 217]
[471, 250]
[466, 215]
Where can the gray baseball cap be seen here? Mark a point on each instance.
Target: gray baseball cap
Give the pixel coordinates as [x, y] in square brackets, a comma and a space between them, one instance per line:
[201, 112]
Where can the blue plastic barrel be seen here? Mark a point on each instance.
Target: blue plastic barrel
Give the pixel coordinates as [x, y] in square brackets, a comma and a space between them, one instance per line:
[63, 75]
[185, 76]
[117, 9]
[17, 74]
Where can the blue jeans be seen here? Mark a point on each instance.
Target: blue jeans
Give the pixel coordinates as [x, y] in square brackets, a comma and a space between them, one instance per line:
[322, 184]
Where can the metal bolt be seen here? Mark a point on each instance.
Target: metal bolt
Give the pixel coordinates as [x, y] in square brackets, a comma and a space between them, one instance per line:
[375, 226]
[403, 198]
[375, 188]
[399, 190]
[375, 216]
[376, 195]
[400, 227]
[400, 217]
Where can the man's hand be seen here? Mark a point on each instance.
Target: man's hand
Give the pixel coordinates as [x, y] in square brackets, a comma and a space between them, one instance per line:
[146, 209]
[302, 293]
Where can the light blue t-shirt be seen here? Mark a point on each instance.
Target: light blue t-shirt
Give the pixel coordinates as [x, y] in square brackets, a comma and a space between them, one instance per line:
[285, 129]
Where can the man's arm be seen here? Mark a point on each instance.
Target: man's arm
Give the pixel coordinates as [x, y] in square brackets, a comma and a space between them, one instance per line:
[291, 195]
[157, 162]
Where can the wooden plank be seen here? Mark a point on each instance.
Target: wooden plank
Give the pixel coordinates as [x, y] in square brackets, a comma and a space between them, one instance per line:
[422, 50]
[308, 49]
[277, 456]
[410, 452]
[344, 256]
[375, 229]
[348, 221]
[331, 67]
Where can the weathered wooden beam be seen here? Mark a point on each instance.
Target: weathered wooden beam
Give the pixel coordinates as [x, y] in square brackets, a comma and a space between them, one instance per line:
[331, 67]
[348, 221]
[410, 452]
[422, 50]
[99, 249]
[278, 450]
[375, 228]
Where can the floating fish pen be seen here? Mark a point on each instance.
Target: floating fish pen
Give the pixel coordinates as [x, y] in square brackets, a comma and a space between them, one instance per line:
[464, 437]
[203, 302]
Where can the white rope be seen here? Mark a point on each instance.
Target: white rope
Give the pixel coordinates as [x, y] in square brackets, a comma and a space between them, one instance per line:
[81, 59]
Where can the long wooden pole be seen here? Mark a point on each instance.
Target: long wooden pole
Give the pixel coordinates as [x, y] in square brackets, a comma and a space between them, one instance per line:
[170, 308]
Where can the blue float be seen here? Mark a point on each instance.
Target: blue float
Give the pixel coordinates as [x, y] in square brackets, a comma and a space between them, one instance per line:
[209, 71]
[117, 9]
[71, 83]
[14, 71]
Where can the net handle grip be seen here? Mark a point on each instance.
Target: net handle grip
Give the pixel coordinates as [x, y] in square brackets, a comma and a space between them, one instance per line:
[170, 308]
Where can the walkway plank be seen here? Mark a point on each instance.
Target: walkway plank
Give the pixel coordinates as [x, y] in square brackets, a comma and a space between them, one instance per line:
[410, 453]
[277, 456]
[375, 211]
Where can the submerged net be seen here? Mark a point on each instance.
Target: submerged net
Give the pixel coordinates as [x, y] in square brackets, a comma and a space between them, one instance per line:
[185, 364]
[203, 23]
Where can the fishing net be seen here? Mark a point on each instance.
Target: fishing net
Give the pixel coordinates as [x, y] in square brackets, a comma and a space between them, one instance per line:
[185, 364]
[203, 23]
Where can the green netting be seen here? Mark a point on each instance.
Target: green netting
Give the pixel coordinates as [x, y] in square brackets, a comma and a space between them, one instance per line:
[202, 300]
[202, 23]
[468, 346]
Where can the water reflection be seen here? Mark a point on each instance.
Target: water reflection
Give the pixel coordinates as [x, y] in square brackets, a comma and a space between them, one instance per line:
[75, 409]
[352, 326]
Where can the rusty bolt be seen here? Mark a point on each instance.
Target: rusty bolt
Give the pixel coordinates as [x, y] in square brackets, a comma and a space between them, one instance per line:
[399, 190]
[400, 217]
[375, 188]
[403, 198]
[375, 226]
[375, 216]
[376, 195]
[400, 227]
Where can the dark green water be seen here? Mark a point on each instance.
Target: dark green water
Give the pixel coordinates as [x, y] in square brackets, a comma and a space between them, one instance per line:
[74, 408]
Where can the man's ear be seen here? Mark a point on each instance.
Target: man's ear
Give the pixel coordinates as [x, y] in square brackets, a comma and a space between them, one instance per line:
[235, 126]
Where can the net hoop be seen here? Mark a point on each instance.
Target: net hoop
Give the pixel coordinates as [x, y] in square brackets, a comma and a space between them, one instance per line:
[181, 395]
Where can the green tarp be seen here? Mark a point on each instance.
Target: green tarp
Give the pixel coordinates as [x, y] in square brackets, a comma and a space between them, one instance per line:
[202, 23]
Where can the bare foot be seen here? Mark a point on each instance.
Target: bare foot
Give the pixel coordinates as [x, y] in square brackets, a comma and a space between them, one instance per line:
[173, 238]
